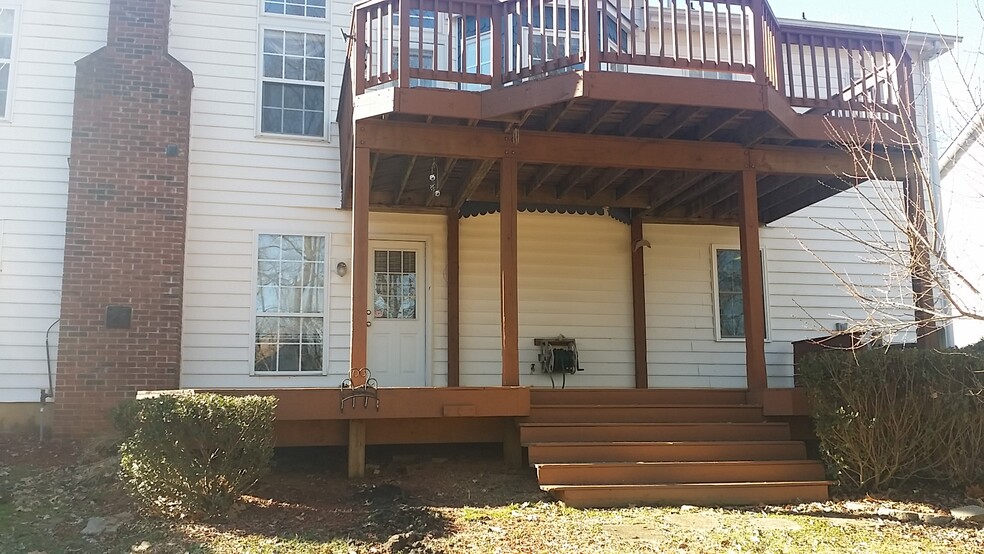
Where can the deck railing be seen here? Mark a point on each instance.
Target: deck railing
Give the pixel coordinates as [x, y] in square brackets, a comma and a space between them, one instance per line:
[479, 44]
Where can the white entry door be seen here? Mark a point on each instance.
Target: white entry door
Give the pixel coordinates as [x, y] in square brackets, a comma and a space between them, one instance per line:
[397, 334]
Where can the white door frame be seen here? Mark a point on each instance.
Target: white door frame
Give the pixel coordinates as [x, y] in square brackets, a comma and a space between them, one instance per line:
[426, 294]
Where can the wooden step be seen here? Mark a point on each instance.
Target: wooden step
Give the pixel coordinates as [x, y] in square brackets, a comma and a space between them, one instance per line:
[638, 432]
[650, 473]
[571, 396]
[699, 494]
[714, 413]
[568, 452]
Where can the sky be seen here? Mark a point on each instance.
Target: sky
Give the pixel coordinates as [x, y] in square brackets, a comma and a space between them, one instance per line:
[958, 87]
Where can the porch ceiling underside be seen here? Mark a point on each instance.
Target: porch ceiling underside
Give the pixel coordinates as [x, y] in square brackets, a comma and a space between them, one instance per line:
[663, 148]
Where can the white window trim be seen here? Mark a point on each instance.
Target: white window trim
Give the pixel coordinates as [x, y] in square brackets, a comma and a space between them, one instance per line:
[716, 298]
[8, 111]
[296, 24]
[252, 307]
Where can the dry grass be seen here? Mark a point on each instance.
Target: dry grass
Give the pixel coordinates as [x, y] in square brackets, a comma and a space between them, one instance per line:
[430, 501]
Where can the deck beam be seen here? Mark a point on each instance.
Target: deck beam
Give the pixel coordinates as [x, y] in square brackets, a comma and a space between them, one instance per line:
[537, 147]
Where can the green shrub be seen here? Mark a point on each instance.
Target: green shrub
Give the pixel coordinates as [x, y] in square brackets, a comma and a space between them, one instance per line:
[884, 418]
[193, 455]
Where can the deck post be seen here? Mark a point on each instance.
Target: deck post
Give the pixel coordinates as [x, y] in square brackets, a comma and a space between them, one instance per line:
[512, 447]
[508, 262]
[927, 333]
[751, 282]
[356, 448]
[360, 257]
[758, 31]
[640, 346]
[454, 331]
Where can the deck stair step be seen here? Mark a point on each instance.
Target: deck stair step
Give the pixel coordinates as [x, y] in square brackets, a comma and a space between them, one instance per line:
[599, 448]
[645, 413]
[705, 494]
[567, 432]
[543, 397]
[648, 473]
[611, 451]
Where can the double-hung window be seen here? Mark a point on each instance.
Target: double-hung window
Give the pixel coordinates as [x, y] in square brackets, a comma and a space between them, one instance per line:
[729, 305]
[7, 21]
[293, 68]
[290, 304]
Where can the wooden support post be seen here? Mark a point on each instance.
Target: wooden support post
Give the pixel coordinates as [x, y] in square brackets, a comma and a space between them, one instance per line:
[357, 448]
[639, 305]
[508, 262]
[360, 257]
[927, 333]
[454, 330]
[758, 34]
[751, 282]
[512, 448]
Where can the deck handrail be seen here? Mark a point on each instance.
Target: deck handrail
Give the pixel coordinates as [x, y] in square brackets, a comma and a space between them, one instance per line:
[478, 44]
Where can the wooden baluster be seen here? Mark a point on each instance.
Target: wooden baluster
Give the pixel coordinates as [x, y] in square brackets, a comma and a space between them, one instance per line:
[730, 30]
[404, 50]
[359, 72]
[498, 20]
[703, 39]
[758, 16]
[717, 36]
[594, 37]
[816, 69]
[689, 33]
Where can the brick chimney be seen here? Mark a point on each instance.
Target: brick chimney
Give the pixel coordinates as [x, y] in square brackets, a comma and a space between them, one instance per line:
[125, 232]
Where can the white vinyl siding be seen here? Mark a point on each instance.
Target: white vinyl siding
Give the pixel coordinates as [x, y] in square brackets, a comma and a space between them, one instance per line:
[35, 143]
[574, 280]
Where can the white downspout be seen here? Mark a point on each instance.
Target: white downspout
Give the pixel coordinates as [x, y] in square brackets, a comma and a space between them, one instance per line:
[935, 189]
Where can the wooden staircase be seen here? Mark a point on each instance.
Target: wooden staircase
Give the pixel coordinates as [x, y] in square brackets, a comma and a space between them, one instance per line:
[608, 448]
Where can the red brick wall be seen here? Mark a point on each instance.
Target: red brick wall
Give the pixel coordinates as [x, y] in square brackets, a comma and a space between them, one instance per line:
[125, 231]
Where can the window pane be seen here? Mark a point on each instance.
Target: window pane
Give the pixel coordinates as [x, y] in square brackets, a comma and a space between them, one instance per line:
[311, 357]
[314, 124]
[265, 357]
[315, 46]
[6, 47]
[273, 42]
[273, 95]
[294, 68]
[314, 70]
[272, 120]
[292, 247]
[294, 122]
[293, 97]
[6, 21]
[293, 43]
[273, 66]
[289, 357]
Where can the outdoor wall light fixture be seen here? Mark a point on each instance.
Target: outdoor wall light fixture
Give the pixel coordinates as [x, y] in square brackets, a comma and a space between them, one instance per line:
[341, 269]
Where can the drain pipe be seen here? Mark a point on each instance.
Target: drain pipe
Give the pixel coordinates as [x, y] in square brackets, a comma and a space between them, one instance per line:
[50, 391]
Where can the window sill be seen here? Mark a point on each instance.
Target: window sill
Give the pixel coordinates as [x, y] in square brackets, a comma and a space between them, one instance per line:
[320, 373]
[291, 139]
